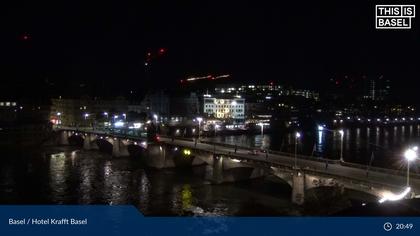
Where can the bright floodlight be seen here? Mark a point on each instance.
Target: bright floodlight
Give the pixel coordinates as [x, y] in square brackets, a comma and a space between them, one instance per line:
[341, 132]
[199, 119]
[320, 127]
[298, 135]
[58, 113]
[105, 113]
[86, 114]
[410, 154]
[388, 196]
[415, 148]
[119, 124]
[155, 116]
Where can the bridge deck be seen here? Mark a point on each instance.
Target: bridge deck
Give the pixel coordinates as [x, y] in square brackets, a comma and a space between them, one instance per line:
[334, 169]
[377, 176]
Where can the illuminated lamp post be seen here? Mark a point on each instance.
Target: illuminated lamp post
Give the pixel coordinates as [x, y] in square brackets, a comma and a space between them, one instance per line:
[199, 119]
[410, 155]
[297, 136]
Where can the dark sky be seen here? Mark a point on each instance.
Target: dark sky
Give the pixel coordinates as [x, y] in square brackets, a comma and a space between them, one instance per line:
[103, 44]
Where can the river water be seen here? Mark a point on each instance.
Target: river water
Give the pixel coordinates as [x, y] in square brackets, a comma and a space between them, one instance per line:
[68, 175]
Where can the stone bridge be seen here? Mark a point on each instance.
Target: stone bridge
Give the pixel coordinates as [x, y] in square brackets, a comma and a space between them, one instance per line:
[227, 163]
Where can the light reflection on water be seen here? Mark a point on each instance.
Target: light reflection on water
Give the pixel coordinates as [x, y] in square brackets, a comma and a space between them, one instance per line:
[64, 176]
[73, 176]
[386, 143]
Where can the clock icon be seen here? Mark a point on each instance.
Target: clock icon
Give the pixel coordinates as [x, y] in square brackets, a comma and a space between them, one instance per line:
[387, 226]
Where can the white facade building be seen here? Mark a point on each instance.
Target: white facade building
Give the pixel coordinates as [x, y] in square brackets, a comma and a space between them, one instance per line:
[224, 108]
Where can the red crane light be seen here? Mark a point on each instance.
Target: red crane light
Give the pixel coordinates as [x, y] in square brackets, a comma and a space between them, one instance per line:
[25, 37]
[162, 50]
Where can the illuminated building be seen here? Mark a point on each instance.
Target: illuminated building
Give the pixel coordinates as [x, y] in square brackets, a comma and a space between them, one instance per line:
[7, 111]
[231, 108]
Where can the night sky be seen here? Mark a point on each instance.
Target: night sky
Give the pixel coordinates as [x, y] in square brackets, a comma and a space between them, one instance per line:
[102, 45]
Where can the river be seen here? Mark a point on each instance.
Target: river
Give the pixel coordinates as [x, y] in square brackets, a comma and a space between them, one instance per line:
[68, 175]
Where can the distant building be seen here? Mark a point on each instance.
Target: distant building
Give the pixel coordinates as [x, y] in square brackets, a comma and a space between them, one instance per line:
[377, 89]
[224, 108]
[85, 111]
[265, 91]
[184, 106]
[351, 88]
[157, 103]
[8, 111]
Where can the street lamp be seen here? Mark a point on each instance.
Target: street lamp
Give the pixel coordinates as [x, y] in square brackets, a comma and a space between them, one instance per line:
[199, 119]
[410, 155]
[297, 136]
[125, 116]
[341, 132]
[156, 121]
[262, 128]
[59, 118]
[216, 126]
[320, 128]
[86, 115]
[106, 115]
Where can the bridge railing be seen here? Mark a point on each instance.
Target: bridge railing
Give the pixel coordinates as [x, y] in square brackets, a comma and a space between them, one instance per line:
[382, 170]
[299, 156]
[102, 132]
[365, 183]
[356, 181]
[324, 160]
[361, 182]
[288, 154]
[177, 138]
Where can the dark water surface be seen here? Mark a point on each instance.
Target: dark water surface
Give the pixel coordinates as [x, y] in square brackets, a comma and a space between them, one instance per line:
[67, 175]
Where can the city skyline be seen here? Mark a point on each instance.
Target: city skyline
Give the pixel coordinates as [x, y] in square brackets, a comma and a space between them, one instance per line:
[210, 109]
